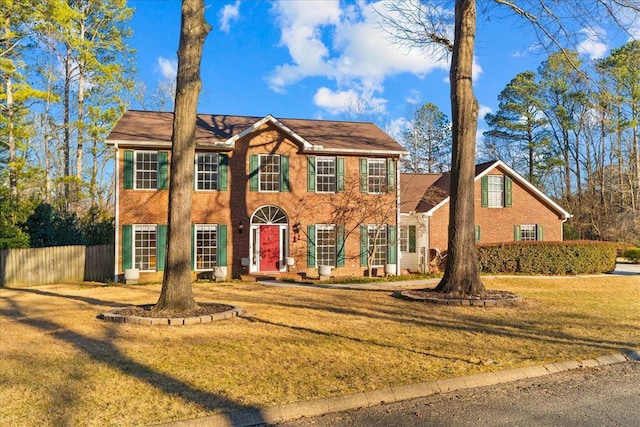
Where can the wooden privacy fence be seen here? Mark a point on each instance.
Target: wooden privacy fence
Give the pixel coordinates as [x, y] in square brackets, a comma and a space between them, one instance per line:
[58, 264]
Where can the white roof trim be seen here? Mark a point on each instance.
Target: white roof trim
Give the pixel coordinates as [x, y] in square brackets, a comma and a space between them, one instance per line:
[519, 179]
[269, 118]
[162, 143]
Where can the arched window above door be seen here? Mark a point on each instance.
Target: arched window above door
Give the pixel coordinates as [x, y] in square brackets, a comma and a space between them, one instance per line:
[269, 215]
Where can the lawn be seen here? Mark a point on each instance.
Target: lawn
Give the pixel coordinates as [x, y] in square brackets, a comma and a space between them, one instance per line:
[62, 366]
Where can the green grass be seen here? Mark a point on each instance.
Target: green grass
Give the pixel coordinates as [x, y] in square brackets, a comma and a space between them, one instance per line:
[62, 366]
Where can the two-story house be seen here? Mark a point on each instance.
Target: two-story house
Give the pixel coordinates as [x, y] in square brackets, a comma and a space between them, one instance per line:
[269, 194]
[507, 208]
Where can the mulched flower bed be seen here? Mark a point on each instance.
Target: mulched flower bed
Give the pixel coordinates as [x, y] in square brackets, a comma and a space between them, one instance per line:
[201, 310]
[488, 298]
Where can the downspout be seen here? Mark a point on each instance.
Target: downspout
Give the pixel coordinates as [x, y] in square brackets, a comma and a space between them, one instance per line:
[117, 214]
[398, 254]
[427, 221]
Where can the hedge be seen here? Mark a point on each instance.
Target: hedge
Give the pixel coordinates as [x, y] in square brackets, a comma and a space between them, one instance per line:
[570, 257]
[632, 254]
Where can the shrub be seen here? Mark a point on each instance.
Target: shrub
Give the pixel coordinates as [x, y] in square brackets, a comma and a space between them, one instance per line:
[574, 257]
[632, 254]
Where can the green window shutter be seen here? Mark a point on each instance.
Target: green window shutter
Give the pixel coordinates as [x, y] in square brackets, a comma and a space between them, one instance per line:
[477, 233]
[392, 244]
[364, 245]
[508, 188]
[127, 248]
[340, 246]
[340, 174]
[161, 246]
[253, 172]
[311, 174]
[163, 170]
[391, 175]
[221, 257]
[484, 184]
[193, 248]
[284, 173]
[128, 170]
[311, 246]
[223, 172]
[516, 233]
[364, 172]
[540, 232]
[412, 238]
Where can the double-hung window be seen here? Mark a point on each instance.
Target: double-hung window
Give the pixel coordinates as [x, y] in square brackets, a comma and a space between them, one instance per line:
[407, 238]
[207, 165]
[145, 247]
[269, 176]
[326, 245]
[496, 191]
[376, 175]
[146, 169]
[378, 244]
[205, 246]
[528, 232]
[326, 174]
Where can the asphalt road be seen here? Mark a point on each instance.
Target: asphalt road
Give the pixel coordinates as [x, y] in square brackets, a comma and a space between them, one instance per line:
[602, 396]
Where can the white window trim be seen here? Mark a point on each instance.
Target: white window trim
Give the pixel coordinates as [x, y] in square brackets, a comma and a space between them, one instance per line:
[335, 174]
[384, 177]
[135, 169]
[333, 228]
[372, 228]
[535, 232]
[195, 243]
[260, 157]
[196, 172]
[134, 248]
[489, 192]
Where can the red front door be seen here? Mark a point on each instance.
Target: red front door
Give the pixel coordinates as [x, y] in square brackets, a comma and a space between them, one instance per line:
[269, 248]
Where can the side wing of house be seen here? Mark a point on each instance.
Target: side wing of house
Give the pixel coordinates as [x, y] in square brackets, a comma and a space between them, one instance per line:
[507, 208]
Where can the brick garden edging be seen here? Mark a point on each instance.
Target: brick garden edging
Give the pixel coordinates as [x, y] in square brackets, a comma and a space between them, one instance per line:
[484, 302]
[113, 316]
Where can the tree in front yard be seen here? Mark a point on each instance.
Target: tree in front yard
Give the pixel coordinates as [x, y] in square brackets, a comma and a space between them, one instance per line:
[177, 292]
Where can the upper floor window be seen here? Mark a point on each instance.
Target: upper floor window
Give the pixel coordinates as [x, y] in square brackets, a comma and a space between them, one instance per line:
[377, 175]
[269, 172]
[207, 165]
[326, 174]
[146, 169]
[496, 191]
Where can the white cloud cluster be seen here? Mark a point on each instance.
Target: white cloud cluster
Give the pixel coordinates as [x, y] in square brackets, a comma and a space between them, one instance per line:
[343, 43]
[593, 44]
[229, 13]
[168, 67]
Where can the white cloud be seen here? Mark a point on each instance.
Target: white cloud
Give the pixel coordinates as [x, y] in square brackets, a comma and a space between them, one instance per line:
[413, 97]
[229, 13]
[168, 67]
[344, 45]
[483, 111]
[395, 127]
[593, 45]
[349, 101]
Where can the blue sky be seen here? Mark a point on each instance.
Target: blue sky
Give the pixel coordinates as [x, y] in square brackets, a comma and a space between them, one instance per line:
[317, 59]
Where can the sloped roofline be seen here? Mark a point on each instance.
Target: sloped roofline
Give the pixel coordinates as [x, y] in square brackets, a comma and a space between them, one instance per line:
[520, 179]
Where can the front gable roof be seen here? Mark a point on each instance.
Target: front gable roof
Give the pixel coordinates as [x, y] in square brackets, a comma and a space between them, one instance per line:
[152, 128]
[436, 194]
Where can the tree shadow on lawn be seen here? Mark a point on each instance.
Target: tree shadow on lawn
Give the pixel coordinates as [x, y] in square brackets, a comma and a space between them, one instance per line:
[106, 353]
[425, 315]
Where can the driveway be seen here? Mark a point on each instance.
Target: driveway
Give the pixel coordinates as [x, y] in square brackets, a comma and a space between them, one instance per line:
[627, 269]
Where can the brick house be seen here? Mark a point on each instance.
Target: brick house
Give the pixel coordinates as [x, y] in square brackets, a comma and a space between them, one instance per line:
[507, 208]
[266, 193]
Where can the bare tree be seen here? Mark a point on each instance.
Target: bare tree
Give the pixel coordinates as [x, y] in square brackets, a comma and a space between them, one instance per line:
[426, 25]
[177, 292]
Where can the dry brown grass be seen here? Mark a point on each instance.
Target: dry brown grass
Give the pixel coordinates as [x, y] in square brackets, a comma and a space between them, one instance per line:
[62, 366]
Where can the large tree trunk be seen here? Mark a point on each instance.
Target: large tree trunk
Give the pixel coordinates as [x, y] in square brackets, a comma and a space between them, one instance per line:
[177, 293]
[461, 274]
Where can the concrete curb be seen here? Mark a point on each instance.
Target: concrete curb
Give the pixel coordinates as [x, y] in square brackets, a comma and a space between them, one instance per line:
[316, 407]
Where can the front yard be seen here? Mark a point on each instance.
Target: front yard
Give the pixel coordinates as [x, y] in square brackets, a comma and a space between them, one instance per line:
[62, 366]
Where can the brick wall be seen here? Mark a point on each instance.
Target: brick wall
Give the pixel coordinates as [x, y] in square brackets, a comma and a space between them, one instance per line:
[236, 205]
